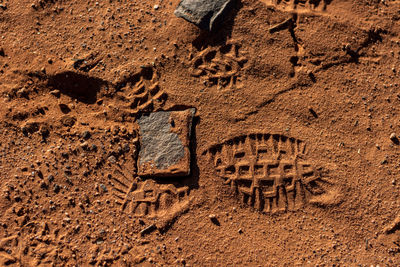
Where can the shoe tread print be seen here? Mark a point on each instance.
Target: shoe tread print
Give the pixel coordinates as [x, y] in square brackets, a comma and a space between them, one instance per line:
[219, 66]
[267, 171]
[299, 6]
[141, 91]
[146, 197]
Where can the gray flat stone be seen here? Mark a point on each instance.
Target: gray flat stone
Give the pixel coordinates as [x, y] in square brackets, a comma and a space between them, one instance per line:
[164, 143]
[202, 13]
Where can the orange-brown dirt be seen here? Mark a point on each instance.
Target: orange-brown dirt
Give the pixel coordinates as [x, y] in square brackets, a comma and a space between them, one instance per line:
[293, 158]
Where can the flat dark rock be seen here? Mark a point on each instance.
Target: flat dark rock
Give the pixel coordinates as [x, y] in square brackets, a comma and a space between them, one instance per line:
[202, 13]
[164, 143]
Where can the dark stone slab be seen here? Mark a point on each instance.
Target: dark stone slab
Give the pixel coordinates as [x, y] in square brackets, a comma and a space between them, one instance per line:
[164, 143]
[203, 13]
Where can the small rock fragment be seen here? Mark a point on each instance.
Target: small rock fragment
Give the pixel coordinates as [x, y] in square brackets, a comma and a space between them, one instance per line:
[50, 178]
[205, 14]
[312, 111]
[77, 228]
[56, 188]
[56, 93]
[112, 159]
[43, 185]
[84, 145]
[86, 135]
[214, 219]
[102, 186]
[164, 143]
[148, 230]
[394, 138]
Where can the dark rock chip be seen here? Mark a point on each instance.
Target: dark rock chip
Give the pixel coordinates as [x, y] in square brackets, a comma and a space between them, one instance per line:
[50, 178]
[164, 143]
[56, 188]
[56, 93]
[86, 135]
[214, 219]
[203, 13]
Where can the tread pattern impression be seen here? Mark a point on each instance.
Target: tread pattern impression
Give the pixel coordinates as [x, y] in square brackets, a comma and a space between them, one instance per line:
[219, 65]
[150, 199]
[141, 91]
[146, 198]
[298, 5]
[268, 172]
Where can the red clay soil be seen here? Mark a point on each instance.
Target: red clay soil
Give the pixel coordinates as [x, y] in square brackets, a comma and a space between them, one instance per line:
[295, 144]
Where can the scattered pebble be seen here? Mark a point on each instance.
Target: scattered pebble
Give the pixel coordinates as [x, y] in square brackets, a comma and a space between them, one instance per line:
[56, 93]
[312, 111]
[56, 188]
[84, 145]
[148, 230]
[103, 187]
[112, 159]
[214, 219]
[43, 185]
[86, 135]
[394, 138]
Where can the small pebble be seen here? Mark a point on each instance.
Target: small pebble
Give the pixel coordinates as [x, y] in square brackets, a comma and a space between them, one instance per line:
[393, 137]
[214, 219]
[56, 93]
[43, 185]
[156, 7]
[86, 135]
[148, 230]
[112, 159]
[103, 187]
[84, 145]
[56, 188]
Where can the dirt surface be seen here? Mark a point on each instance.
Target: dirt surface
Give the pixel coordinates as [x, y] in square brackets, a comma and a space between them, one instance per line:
[294, 149]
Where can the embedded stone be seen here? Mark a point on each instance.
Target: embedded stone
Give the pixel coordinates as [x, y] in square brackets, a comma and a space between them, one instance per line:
[205, 14]
[164, 143]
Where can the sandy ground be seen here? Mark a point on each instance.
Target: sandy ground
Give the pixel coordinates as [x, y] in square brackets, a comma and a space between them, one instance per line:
[312, 104]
